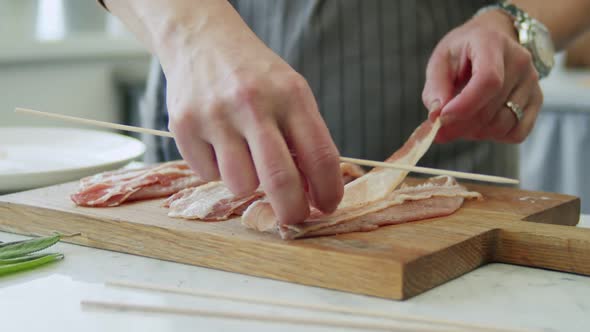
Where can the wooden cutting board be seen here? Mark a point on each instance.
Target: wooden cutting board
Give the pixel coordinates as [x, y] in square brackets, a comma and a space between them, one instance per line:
[397, 262]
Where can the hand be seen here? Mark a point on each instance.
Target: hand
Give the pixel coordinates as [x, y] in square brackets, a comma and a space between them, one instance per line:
[473, 72]
[239, 112]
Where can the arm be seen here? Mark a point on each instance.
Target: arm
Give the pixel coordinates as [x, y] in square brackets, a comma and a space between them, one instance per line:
[165, 26]
[237, 110]
[480, 66]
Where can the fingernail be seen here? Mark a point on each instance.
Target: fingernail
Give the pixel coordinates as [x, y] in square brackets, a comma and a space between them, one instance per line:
[434, 106]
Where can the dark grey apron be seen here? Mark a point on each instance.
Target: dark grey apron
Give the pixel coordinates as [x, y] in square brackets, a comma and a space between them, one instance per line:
[365, 61]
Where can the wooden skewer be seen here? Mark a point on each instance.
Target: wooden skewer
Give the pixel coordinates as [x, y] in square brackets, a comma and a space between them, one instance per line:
[415, 169]
[121, 306]
[432, 171]
[94, 122]
[312, 307]
[339, 323]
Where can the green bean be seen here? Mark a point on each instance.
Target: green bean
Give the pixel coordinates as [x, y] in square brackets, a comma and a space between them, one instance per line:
[8, 261]
[25, 247]
[4, 244]
[43, 259]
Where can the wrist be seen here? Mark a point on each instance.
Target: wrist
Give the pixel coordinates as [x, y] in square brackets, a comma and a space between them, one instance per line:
[501, 22]
[183, 29]
[531, 34]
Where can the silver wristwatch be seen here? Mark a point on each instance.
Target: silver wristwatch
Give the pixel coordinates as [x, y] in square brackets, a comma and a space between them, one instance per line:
[532, 34]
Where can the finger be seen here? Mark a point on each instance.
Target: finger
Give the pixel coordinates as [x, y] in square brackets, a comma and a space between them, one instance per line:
[235, 163]
[501, 125]
[478, 126]
[194, 150]
[440, 79]
[448, 133]
[505, 120]
[198, 154]
[490, 120]
[520, 81]
[317, 155]
[487, 117]
[531, 112]
[485, 84]
[278, 175]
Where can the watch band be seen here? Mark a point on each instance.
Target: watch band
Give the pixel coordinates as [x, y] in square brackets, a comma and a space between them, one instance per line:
[506, 6]
[524, 24]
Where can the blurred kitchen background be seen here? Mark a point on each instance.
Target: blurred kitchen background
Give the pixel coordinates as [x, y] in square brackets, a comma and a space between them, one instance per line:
[68, 56]
[72, 57]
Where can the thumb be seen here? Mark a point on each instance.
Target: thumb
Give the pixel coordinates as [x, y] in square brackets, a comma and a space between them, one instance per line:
[441, 73]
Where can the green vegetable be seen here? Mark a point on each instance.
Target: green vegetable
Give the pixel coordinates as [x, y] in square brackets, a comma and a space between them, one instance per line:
[21, 255]
[25, 247]
[8, 261]
[29, 264]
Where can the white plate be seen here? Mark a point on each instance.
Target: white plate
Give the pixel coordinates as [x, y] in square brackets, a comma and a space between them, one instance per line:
[32, 157]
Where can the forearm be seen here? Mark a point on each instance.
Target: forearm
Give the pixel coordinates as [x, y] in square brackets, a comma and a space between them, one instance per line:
[169, 27]
[565, 19]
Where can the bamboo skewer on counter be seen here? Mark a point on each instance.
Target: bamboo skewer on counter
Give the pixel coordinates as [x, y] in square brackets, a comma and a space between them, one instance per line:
[445, 324]
[325, 322]
[196, 312]
[415, 169]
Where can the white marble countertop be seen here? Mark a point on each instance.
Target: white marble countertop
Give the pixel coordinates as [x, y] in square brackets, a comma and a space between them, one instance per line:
[48, 298]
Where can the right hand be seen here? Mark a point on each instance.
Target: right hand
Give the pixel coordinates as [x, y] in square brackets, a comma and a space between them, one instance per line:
[238, 111]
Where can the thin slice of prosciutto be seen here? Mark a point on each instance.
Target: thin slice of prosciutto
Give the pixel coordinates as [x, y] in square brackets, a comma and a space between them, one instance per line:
[350, 172]
[113, 188]
[211, 202]
[438, 196]
[380, 181]
[215, 202]
[365, 191]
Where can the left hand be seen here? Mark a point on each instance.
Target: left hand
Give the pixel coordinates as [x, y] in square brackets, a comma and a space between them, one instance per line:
[473, 72]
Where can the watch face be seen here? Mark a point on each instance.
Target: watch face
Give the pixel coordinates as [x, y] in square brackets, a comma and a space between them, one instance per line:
[544, 46]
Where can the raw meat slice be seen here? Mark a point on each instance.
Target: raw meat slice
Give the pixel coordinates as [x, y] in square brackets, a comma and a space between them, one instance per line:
[397, 214]
[366, 190]
[110, 189]
[438, 196]
[380, 181]
[212, 202]
[260, 216]
[350, 172]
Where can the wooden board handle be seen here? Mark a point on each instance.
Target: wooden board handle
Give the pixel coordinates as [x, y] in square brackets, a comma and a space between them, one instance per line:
[555, 247]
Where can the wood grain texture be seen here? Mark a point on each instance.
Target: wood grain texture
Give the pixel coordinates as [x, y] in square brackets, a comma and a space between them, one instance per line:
[394, 262]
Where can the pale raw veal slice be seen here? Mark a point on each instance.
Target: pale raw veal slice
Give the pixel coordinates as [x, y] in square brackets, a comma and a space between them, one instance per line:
[438, 196]
[365, 190]
[211, 202]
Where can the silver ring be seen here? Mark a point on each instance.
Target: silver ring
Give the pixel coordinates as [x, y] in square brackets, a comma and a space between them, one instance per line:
[516, 109]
